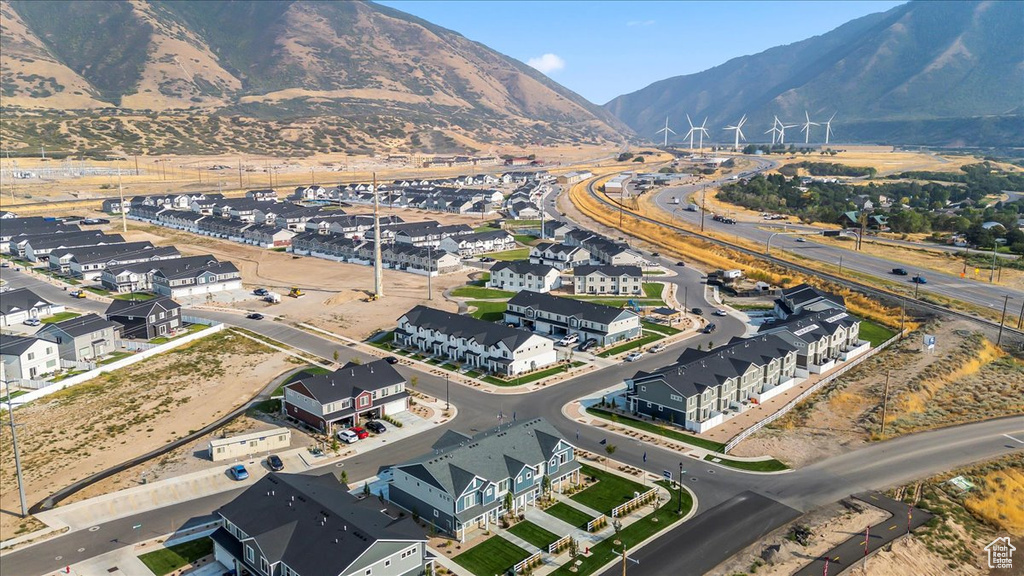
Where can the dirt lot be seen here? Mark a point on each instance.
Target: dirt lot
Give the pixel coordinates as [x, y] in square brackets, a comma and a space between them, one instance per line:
[112, 418]
[965, 379]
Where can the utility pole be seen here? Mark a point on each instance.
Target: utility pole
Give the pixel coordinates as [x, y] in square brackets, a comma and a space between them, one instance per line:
[885, 401]
[430, 275]
[1020, 318]
[840, 264]
[378, 273]
[703, 205]
[240, 175]
[967, 253]
[17, 457]
[1006, 300]
[992, 273]
[903, 316]
[120, 193]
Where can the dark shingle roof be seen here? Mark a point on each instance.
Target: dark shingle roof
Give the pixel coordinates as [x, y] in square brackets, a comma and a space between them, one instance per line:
[16, 345]
[523, 267]
[588, 269]
[80, 326]
[312, 524]
[349, 381]
[567, 307]
[20, 299]
[484, 333]
[140, 307]
[811, 326]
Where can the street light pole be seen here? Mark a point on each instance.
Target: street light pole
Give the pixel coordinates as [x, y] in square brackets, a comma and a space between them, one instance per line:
[1006, 300]
[703, 205]
[430, 265]
[840, 264]
[992, 273]
[447, 405]
[680, 510]
[17, 458]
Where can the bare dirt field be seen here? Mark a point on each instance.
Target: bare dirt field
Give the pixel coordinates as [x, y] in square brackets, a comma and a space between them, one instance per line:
[110, 419]
[966, 379]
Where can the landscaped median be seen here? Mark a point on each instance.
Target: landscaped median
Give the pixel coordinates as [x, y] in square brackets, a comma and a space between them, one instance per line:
[770, 465]
[652, 428]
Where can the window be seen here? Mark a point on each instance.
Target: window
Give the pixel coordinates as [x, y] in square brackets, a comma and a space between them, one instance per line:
[249, 554]
[31, 355]
[436, 515]
[368, 571]
[264, 566]
[387, 563]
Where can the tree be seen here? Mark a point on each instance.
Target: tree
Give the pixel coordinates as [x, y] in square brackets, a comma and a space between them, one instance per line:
[344, 477]
[366, 488]
[639, 159]
[624, 156]
[574, 548]
[508, 502]
[545, 484]
[355, 360]
[414, 381]
[335, 355]
[609, 449]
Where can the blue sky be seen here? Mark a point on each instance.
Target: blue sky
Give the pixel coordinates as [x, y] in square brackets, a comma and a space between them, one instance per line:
[604, 49]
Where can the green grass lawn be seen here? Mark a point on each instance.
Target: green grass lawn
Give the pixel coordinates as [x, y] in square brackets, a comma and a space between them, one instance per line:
[489, 311]
[772, 465]
[14, 395]
[610, 490]
[486, 228]
[312, 370]
[653, 272]
[60, 317]
[98, 291]
[616, 302]
[652, 428]
[642, 341]
[480, 292]
[191, 329]
[660, 328]
[569, 515]
[495, 556]
[653, 289]
[114, 357]
[874, 333]
[513, 381]
[517, 254]
[134, 296]
[534, 534]
[171, 558]
[527, 239]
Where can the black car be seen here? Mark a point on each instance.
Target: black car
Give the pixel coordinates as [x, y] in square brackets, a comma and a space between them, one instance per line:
[899, 271]
[587, 344]
[697, 311]
[255, 316]
[391, 360]
[260, 291]
[375, 427]
[709, 328]
[274, 463]
[680, 263]
[655, 255]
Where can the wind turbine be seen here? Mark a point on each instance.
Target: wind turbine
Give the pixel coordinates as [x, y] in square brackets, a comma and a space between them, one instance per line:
[828, 126]
[739, 132]
[666, 130]
[774, 131]
[807, 127]
[782, 131]
[689, 134]
[703, 131]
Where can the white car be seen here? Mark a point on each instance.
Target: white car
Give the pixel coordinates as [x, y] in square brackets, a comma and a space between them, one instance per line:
[634, 356]
[656, 348]
[348, 436]
[569, 340]
[32, 322]
[720, 312]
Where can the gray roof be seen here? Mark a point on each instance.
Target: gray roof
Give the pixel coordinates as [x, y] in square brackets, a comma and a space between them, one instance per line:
[348, 381]
[804, 294]
[523, 267]
[11, 345]
[312, 524]
[695, 370]
[811, 326]
[140, 307]
[20, 299]
[568, 307]
[588, 269]
[79, 326]
[50, 241]
[193, 268]
[169, 264]
[494, 455]
[484, 333]
[34, 225]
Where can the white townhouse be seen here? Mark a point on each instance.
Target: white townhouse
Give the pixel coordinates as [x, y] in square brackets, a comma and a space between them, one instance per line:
[517, 275]
[560, 256]
[557, 317]
[478, 243]
[618, 280]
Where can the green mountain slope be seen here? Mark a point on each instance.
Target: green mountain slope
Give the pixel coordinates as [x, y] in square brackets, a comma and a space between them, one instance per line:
[903, 76]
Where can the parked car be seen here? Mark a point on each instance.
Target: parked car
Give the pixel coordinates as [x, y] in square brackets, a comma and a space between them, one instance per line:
[590, 343]
[77, 294]
[487, 259]
[569, 340]
[348, 436]
[32, 322]
[376, 426]
[274, 463]
[260, 291]
[697, 311]
[255, 316]
[238, 472]
[656, 348]
[359, 432]
[391, 360]
[720, 312]
[634, 356]
[709, 328]
[5, 264]
[919, 279]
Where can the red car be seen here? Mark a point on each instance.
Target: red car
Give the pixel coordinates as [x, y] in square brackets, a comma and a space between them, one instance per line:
[359, 431]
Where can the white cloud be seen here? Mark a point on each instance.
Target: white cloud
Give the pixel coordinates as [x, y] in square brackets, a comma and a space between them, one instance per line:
[547, 63]
[640, 23]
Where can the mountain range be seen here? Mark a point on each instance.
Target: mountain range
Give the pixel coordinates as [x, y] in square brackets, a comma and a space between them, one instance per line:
[931, 73]
[322, 75]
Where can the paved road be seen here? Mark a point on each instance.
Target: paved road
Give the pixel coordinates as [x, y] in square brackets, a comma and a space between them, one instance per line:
[948, 285]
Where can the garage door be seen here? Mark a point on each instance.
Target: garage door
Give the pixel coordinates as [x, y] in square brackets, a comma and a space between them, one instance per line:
[396, 406]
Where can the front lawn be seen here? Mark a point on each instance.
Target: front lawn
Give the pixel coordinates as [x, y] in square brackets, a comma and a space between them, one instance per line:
[660, 328]
[114, 357]
[98, 291]
[610, 490]
[514, 381]
[190, 329]
[534, 534]
[527, 239]
[874, 333]
[169, 559]
[494, 556]
[480, 292]
[508, 255]
[569, 515]
[642, 341]
[60, 317]
[653, 289]
[653, 428]
[489, 311]
[139, 296]
[772, 465]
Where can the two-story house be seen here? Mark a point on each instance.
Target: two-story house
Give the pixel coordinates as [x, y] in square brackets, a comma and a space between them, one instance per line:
[478, 344]
[145, 319]
[823, 339]
[702, 388]
[28, 357]
[196, 278]
[517, 275]
[342, 397]
[84, 338]
[478, 243]
[559, 255]
[557, 317]
[618, 280]
[806, 298]
[22, 304]
[463, 483]
[303, 525]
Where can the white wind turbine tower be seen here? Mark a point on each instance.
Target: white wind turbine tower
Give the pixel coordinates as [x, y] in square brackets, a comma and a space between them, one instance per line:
[774, 131]
[807, 127]
[782, 131]
[828, 126]
[667, 131]
[739, 132]
[703, 132]
[693, 130]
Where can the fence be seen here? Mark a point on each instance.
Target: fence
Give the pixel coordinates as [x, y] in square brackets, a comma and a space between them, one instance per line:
[76, 365]
[135, 346]
[121, 363]
[637, 501]
[597, 523]
[557, 545]
[531, 561]
[197, 320]
[806, 393]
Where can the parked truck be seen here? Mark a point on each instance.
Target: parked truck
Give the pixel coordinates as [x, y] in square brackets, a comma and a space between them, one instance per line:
[272, 297]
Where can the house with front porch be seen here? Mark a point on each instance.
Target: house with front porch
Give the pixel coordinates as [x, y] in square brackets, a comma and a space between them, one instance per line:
[477, 344]
[478, 243]
[463, 483]
[343, 397]
[556, 317]
[84, 338]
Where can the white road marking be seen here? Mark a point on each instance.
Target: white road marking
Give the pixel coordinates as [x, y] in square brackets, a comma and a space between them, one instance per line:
[1014, 439]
